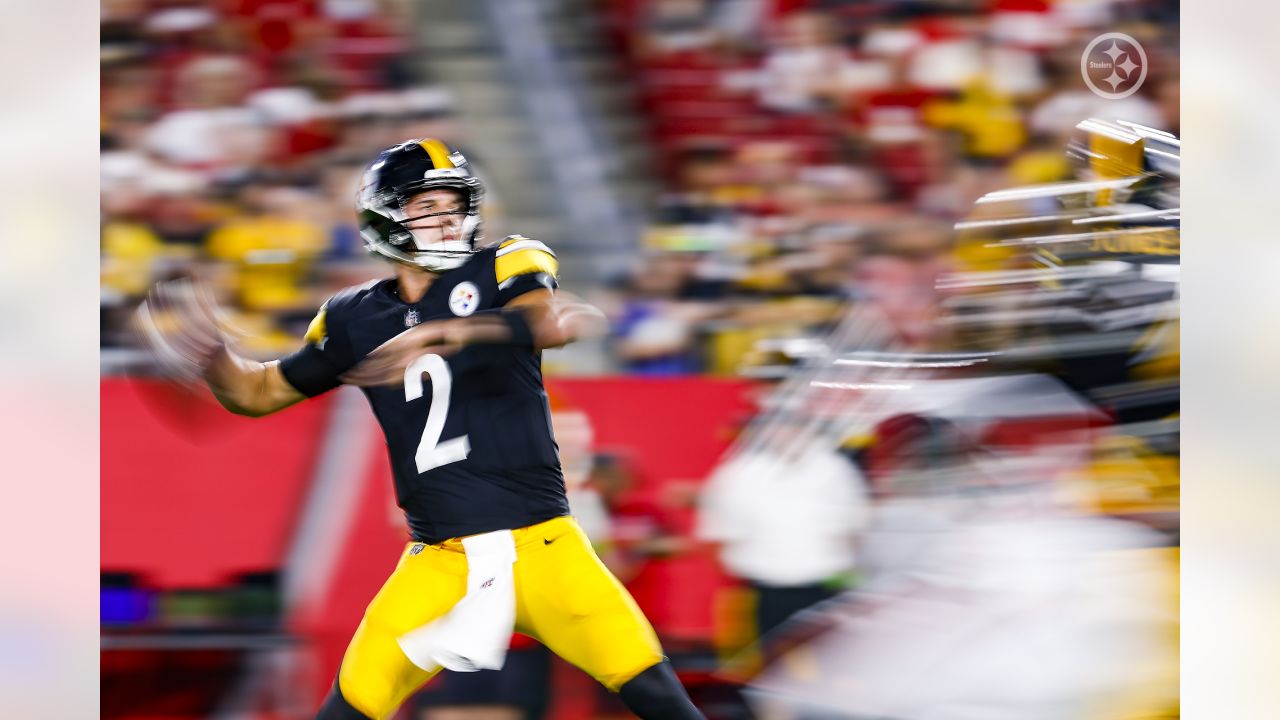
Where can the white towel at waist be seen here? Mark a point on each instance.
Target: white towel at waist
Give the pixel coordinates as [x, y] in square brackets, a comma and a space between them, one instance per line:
[475, 634]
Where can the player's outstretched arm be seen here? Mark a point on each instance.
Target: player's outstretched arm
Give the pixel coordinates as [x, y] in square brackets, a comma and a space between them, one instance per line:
[249, 388]
[554, 320]
[180, 324]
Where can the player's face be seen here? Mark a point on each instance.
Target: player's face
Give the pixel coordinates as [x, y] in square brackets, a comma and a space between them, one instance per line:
[444, 211]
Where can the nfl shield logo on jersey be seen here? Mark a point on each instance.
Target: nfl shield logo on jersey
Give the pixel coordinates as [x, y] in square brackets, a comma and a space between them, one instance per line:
[411, 318]
[464, 299]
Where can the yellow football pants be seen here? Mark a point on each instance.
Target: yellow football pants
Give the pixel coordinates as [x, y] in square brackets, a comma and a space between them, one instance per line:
[565, 598]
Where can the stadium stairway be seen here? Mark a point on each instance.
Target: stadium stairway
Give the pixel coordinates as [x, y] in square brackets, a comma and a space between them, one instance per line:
[461, 54]
[577, 28]
[464, 52]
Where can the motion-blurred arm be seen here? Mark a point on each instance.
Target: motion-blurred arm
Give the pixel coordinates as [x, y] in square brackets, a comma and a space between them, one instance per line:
[538, 320]
[179, 322]
[250, 388]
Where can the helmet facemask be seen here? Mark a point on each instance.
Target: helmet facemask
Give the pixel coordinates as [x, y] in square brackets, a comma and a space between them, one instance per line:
[388, 229]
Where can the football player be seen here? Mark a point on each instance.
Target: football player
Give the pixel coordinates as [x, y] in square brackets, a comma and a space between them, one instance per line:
[471, 448]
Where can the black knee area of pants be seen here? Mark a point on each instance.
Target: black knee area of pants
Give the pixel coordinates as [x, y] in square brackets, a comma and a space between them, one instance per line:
[336, 707]
[656, 694]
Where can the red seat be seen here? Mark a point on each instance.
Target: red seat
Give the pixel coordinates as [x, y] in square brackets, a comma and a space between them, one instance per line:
[685, 126]
[690, 60]
[712, 107]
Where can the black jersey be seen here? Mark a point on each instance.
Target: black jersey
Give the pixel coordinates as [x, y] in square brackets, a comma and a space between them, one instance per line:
[471, 446]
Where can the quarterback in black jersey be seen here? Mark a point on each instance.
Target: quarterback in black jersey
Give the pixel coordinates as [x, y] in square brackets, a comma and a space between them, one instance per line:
[448, 353]
[471, 450]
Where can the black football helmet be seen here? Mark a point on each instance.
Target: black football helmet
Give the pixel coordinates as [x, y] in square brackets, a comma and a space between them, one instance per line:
[401, 172]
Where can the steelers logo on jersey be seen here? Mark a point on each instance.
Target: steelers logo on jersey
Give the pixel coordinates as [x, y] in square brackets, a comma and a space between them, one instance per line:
[464, 299]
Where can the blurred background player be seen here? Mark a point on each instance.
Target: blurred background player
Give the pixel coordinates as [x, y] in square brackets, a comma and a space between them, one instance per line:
[987, 596]
[475, 463]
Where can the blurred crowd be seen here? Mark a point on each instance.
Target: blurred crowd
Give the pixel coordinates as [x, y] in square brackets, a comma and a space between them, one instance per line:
[819, 158]
[809, 151]
[233, 135]
[814, 151]
[815, 157]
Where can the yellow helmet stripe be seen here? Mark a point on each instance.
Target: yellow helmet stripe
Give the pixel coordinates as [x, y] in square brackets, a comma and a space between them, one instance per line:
[438, 152]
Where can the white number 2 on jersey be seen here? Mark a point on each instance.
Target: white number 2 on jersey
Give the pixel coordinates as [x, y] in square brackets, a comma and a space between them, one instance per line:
[431, 452]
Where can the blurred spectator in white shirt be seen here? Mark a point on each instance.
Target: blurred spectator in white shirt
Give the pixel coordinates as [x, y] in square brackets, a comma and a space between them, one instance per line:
[787, 516]
[200, 133]
[1057, 115]
[805, 69]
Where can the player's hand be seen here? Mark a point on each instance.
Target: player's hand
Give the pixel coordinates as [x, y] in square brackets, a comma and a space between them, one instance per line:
[179, 322]
[577, 318]
[387, 363]
[559, 319]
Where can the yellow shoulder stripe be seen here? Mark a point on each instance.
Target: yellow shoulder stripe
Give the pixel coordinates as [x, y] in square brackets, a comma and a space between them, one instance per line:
[316, 330]
[524, 262]
[438, 152]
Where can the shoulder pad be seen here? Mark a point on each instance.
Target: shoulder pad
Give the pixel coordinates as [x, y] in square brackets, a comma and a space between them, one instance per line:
[518, 255]
[318, 330]
[350, 295]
